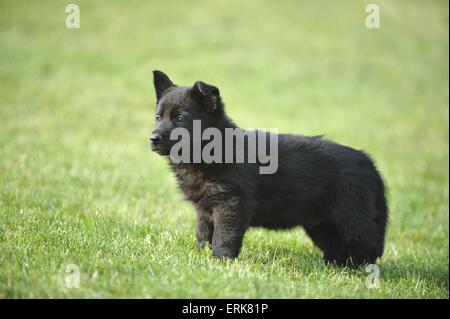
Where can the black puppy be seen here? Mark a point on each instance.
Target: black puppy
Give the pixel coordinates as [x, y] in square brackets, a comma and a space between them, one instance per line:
[333, 191]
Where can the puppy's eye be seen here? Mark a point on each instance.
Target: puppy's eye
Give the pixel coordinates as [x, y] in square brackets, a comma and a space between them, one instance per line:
[180, 118]
[158, 118]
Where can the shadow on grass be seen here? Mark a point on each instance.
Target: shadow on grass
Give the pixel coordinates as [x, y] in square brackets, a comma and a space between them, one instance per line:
[437, 275]
[291, 259]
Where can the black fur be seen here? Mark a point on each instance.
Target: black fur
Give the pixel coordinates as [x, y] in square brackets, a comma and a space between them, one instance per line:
[333, 191]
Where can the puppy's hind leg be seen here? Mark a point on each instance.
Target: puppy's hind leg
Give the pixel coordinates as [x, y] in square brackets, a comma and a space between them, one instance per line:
[326, 237]
[356, 224]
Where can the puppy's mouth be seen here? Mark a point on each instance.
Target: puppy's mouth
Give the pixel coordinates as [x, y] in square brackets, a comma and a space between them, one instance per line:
[159, 149]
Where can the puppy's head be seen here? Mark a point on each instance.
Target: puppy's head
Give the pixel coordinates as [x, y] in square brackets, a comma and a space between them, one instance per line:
[179, 106]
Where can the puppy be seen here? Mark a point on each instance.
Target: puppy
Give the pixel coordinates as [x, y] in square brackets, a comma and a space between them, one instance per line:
[333, 191]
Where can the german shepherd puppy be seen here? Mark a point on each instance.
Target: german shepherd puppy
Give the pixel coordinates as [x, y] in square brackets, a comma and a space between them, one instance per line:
[333, 191]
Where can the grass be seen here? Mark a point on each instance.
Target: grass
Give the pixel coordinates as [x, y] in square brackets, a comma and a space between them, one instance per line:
[79, 185]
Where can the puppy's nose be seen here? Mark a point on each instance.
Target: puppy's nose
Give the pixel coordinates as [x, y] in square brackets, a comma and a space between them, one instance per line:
[155, 138]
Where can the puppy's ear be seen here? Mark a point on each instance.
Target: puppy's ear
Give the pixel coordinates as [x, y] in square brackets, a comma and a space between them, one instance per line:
[161, 82]
[207, 95]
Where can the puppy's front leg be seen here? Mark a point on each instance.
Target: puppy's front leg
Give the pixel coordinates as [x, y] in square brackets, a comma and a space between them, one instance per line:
[205, 227]
[229, 229]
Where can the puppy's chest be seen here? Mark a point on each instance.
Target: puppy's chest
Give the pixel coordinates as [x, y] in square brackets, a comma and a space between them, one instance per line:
[199, 188]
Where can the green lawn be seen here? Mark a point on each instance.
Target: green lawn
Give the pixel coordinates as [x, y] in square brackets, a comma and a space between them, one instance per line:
[79, 184]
